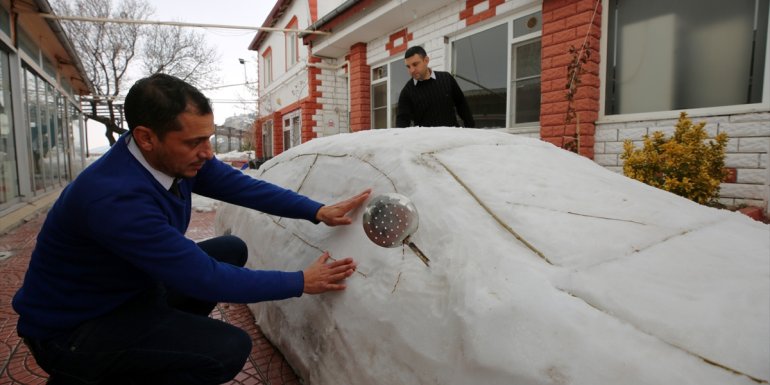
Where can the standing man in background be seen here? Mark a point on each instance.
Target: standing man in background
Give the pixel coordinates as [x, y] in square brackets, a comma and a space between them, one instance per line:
[430, 98]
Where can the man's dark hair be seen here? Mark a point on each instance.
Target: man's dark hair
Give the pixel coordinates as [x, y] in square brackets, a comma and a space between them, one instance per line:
[156, 101]
[416, 50]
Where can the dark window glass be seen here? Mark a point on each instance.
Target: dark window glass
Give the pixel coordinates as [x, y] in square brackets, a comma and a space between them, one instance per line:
[480, 67]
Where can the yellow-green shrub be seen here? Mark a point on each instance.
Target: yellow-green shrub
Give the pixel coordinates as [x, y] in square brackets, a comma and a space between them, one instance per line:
[686, 164]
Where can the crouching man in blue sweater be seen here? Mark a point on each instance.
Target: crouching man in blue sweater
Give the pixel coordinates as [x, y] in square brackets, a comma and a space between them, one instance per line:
[116, 294]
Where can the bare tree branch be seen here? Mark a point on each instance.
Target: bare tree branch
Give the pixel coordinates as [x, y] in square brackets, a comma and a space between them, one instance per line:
[108, 50]
[182, 53]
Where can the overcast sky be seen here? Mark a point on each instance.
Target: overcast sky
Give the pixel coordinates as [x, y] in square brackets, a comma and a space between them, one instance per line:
[231, 45]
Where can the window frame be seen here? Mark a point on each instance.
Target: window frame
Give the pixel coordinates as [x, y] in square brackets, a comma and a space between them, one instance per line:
[511, 42]
[267, 66]
[390, 63]
[267, 133]
[511, 117]
[10, 182]
[294, 130]
[291, 43]
[604, 67]
[378, 83]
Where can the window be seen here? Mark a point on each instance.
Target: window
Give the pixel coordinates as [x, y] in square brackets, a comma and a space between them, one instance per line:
[267, 139]
[292, 50]
[9, 181]
[387, 82]
[482, 63]
[35, 137]
[291, 130]
[267, 66]
[525, 82]
[5, 21]
[673, 55]
[78, 141]
[28, 46]
[56, 150]
[380, 97]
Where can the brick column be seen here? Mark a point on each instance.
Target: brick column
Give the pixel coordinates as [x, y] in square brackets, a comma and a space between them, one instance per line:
[360, 89]
[565, 24]
[309, 106]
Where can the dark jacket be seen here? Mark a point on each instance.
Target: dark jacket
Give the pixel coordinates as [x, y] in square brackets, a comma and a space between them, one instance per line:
[433, 103]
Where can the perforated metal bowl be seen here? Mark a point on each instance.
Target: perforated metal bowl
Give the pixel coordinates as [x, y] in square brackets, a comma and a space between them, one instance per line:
[389, 219]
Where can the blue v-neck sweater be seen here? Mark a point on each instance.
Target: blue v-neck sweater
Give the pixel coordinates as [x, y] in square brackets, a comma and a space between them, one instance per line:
[115, 232]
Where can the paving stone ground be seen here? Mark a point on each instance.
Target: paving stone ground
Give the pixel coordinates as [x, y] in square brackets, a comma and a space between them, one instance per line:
[265, 366]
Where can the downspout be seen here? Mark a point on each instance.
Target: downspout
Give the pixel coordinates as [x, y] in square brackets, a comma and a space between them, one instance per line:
[319, 24]
[325, 66]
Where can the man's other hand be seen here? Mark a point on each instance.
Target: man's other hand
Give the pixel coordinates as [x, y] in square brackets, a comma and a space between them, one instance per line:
[322, 276]
[334, 215]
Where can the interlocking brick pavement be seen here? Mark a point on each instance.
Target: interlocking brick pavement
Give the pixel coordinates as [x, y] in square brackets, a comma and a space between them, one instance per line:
[265, 366]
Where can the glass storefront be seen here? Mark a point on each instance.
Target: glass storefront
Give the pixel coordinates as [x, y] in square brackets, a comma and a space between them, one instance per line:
[9, 180]
[42, 137]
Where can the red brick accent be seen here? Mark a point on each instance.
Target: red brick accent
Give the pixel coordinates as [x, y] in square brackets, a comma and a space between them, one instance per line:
[755, 213]
[310, 105]
[360, 89]
[731, 175]
[471, 18]
[565, 24]
[313, 6]
[391, 46]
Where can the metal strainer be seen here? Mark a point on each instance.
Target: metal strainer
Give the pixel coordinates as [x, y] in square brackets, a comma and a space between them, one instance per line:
[389, 220]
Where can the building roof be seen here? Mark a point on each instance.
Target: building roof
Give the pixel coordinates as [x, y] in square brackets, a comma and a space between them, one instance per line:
[275, 14]
[357, 21]
[86, 87]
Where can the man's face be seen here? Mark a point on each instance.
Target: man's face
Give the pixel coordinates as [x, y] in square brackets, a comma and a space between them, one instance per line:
[180, 154]
[418, 67]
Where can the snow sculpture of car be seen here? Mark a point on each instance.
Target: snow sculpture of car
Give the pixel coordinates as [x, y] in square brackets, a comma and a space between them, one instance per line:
[545, 268]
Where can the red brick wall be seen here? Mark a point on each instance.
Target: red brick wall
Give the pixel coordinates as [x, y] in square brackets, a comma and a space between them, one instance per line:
[360, 90]
[565, 24]
[313, 6]
[403, 36]
[310, 104]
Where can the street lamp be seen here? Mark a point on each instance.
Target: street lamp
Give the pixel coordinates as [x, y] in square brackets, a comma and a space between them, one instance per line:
[245, 79]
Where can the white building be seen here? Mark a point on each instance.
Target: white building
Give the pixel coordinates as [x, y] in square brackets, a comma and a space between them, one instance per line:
[648, 62]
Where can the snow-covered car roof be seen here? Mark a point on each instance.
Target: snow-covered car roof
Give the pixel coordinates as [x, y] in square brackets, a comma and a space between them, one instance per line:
[545, 268]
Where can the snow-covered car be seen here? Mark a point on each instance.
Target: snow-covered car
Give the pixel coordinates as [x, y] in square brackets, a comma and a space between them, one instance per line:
[545, 268]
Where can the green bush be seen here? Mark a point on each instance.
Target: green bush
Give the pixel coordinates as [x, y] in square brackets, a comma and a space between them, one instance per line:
[686, 164]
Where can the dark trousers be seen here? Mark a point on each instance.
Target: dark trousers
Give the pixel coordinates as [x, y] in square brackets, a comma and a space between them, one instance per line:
[154, 339]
